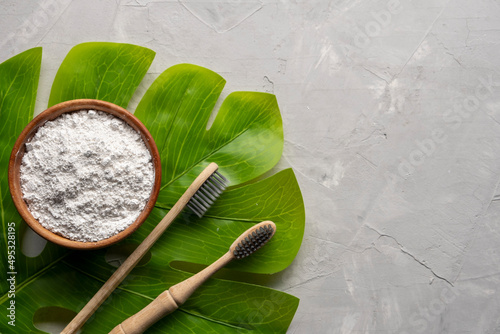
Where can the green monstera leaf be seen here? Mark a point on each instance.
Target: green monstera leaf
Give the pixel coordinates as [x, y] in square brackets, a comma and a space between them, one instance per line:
[245, 139]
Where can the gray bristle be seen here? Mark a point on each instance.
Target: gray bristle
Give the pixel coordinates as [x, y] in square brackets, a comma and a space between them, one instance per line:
[253, 241]
[206, 195]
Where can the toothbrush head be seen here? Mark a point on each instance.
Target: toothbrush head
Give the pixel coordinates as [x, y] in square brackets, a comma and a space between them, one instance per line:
[208, 192]
[253, 239]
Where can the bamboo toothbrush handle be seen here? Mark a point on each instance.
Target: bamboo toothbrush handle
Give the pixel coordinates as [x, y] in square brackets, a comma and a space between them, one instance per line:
[118, 276]
[134, 258]
[145, 318]
[183, 290]
[168, 301]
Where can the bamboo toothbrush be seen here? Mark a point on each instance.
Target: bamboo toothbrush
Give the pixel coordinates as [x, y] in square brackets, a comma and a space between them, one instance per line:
[169, 300]
[198, 197]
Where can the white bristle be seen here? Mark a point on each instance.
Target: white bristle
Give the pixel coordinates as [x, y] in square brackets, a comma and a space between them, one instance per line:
[221, 176]
[195, 210]
[212, 186]
[204, 198]
[206, 195]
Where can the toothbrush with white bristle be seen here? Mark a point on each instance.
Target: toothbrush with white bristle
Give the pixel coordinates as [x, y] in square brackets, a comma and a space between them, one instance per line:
[200, 195]
[169, 300]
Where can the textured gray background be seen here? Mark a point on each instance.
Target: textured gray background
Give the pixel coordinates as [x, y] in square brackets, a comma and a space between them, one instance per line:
[391, 118]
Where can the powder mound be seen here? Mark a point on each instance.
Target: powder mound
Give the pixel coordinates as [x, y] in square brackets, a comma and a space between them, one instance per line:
[86, 175]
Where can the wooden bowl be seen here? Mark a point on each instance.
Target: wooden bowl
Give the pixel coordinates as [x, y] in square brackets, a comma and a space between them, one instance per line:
[50, 114]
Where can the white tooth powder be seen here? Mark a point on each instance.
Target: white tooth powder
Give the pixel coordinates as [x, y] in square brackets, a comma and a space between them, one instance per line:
[86, 175]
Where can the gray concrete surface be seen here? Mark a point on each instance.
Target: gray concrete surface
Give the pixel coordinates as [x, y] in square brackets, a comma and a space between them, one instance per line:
[391, 114]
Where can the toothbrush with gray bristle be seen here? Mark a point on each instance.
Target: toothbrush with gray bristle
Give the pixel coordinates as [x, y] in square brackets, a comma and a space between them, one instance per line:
[168, 301]
[200, 195]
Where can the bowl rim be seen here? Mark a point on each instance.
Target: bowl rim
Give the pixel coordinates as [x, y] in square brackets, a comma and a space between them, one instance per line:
[51, 113]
